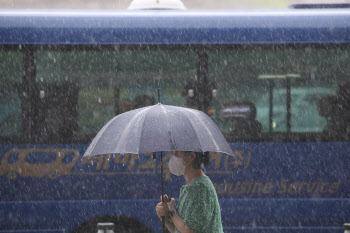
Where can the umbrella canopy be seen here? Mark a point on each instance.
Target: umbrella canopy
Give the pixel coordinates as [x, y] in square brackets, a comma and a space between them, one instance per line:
[159, 128]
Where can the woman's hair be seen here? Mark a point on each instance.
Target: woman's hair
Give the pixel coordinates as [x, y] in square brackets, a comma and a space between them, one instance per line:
[201, 160]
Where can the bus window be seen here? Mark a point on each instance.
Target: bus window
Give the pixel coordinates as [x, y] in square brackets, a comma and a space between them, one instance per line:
[140, 73]
[92, 73]
[112, 82]
[49, 103]
[11, 71]
[285, 84]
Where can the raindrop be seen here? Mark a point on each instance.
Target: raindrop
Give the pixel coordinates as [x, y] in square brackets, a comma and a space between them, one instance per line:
[254, 224]
[42, 94]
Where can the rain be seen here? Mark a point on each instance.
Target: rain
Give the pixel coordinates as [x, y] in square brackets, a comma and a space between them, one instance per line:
[277, 90]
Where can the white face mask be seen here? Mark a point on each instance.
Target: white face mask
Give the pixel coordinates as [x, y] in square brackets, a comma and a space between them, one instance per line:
[176, 166]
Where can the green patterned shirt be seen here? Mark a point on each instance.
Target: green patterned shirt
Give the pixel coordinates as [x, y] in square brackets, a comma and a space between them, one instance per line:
[199, 207]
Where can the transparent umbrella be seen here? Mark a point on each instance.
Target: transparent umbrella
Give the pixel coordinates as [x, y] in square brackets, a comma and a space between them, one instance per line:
[159, 128]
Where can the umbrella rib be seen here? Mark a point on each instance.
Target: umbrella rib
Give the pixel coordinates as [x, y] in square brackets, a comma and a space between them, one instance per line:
[205, 127]
[91, 148]
[192, 124]
[143, 127]
[123, 134]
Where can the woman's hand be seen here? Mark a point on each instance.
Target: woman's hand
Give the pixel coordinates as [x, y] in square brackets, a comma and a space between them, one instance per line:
[172, 205]
[162, 209]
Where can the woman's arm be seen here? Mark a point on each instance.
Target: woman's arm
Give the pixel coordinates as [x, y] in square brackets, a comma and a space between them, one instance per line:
[179, 223]
[169, 225]
[162, 209]
[176, 221]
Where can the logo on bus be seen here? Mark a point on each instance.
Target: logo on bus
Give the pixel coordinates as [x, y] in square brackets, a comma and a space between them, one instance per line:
[38, 162]
[144, 164]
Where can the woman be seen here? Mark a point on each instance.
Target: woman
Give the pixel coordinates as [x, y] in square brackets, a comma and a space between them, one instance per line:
[198, 209]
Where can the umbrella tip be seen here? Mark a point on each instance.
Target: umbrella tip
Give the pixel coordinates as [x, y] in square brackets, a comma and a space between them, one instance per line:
[158, 95]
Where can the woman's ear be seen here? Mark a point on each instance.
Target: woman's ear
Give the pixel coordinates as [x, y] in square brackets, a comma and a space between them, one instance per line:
[189, 158]
[192, 156]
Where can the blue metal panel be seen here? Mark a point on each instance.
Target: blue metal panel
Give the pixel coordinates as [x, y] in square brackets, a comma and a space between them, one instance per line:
[242, 215]
[265, 187]
[174, 27]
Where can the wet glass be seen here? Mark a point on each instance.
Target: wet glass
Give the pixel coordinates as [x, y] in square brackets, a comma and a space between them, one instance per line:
[270, 77]
[109, 83]
[11, 72]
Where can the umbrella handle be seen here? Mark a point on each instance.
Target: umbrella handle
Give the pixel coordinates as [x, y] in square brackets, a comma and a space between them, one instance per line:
[163, 225]
[165, 199]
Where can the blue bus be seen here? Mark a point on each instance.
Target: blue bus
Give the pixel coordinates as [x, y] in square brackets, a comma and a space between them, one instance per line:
[275, 82]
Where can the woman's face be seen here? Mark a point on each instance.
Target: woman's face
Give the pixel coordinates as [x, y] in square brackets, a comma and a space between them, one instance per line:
[187, 158]
[180, 154]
